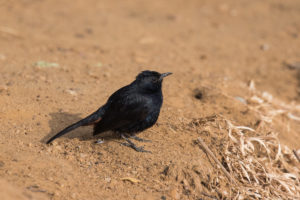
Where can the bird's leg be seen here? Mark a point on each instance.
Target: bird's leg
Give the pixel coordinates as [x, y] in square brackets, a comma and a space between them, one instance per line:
[132, 145]
[139, 139]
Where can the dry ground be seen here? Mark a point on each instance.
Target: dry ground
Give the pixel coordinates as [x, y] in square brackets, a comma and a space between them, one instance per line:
[60, 60]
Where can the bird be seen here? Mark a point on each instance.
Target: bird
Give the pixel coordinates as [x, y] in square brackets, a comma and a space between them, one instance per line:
[128, 111]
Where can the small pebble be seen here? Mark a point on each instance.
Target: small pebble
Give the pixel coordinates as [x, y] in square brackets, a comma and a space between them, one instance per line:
[3, 88]
[265, 47]
[82, 155]
[107, 179]
[106, 74]
[292, 65]
[71, 92]
[58, 147]
[56, 193]
[241, 99]
[174, 194]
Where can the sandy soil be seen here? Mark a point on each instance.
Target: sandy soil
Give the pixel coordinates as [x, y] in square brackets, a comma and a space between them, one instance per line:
[60, 60]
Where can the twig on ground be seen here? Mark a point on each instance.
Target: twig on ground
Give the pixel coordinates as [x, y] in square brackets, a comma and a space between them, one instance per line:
[207, 150]
[209, 196]
[296, 155]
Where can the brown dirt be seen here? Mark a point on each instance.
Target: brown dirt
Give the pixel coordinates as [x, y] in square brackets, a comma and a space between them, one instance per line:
[213, 47]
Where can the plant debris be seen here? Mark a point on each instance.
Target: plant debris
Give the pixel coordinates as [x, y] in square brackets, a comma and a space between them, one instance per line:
[44, 64]
[132, 180]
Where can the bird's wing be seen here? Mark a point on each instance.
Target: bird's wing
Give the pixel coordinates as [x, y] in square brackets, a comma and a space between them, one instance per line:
[124, 108]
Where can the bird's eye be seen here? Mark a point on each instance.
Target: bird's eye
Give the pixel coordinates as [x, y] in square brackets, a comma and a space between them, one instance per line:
[154, 80]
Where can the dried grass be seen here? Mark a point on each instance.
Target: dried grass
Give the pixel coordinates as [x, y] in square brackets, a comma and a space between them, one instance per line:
[262, 167]
[258, 164]
[268, 107]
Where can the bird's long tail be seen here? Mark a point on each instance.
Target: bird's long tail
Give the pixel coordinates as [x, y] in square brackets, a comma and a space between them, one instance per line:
[89, 120]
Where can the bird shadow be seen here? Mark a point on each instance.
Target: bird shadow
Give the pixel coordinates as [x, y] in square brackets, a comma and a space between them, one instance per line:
[61, 120]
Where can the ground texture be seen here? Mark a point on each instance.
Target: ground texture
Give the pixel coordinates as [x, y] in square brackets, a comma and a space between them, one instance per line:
[233, 63]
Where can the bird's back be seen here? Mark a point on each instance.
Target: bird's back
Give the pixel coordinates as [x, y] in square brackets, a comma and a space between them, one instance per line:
[130, 110]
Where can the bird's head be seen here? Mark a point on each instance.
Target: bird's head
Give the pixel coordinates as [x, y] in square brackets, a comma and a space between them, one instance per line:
[151, 80]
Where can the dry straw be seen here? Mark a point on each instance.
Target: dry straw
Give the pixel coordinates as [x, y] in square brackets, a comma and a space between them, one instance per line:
[264, 169]
[257, 166]
[268, 107]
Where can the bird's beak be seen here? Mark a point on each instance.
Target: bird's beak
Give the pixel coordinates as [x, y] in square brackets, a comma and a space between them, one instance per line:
[164, 75]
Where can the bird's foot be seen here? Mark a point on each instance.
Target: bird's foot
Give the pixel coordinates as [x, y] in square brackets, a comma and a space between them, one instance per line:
[139, 139]
[138, 149]
[132, 145]
[99, 141]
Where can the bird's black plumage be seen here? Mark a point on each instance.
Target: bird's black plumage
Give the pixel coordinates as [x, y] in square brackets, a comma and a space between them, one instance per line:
[129, 110]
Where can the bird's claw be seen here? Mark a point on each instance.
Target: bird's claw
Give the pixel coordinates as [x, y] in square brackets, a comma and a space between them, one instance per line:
[138, 149]
[139, 139]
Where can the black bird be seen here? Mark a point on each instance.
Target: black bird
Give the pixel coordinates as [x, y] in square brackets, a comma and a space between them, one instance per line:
[128, 111]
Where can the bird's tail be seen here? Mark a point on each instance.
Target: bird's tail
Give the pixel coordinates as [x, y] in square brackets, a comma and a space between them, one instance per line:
[89, 120]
